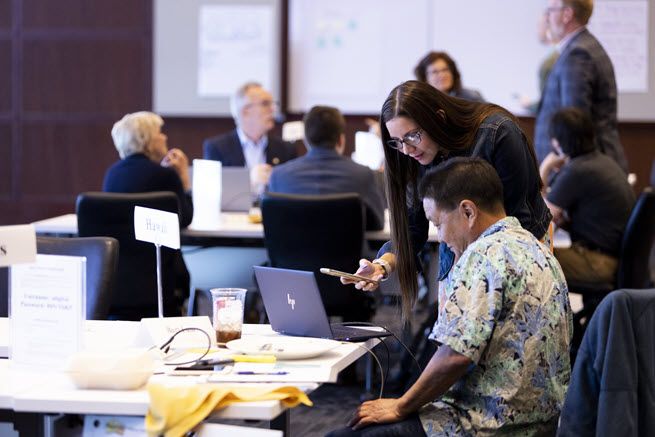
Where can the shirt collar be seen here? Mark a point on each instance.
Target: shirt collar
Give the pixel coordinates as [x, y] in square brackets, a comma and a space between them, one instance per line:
[561, 45]
[508, 222]
[245, 141]
[322, 151]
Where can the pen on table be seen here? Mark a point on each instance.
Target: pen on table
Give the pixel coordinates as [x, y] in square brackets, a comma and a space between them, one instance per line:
[243, 372]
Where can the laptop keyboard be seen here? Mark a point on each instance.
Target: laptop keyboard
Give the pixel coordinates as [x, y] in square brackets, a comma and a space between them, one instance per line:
[341, 332]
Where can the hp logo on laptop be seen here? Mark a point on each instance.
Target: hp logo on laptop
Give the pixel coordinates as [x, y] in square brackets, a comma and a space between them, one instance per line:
[291, 302]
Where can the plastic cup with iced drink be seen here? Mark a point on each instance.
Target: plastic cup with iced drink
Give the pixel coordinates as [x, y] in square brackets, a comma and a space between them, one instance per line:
[227, 305]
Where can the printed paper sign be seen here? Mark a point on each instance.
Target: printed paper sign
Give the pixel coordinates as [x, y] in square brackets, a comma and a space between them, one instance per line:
[48, 309]
[157, 227]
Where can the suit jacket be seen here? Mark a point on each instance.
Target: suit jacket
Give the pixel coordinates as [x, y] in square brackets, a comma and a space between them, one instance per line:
[138, 174]
[227, 149]
[324, 171]
[583, 76]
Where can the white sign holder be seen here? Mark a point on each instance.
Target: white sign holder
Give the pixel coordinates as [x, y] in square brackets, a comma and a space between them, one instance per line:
[161, 228]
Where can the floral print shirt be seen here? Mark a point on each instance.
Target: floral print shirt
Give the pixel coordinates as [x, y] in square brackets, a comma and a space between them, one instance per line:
[507, 309]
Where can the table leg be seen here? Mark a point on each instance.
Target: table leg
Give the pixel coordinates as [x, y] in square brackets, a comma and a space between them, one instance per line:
[282, 422]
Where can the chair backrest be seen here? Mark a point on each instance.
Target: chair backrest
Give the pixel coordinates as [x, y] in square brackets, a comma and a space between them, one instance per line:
[638, 238]
[4, 291]
[200, 303]
[306, 232]
[101, 262]
[135, 289]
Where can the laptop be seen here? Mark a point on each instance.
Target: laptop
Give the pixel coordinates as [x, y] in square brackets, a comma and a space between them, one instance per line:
[236, 195]
[294, 307]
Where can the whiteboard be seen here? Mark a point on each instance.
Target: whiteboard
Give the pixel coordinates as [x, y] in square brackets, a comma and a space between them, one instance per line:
[351, 53]
[205, 49]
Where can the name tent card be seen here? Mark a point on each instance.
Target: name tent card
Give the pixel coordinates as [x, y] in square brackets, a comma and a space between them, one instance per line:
[157, 227]
[48, 309]
[161, 228]
[17, 245]
[157, 331]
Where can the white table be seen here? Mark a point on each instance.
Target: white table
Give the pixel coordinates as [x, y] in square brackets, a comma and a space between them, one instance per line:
[232, 225]
[30, 393]
[235, 225]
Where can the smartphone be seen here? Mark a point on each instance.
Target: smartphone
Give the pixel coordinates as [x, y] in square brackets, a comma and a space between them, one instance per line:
[341, 274]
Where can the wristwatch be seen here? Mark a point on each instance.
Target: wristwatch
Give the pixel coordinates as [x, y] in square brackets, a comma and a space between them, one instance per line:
[385, 266]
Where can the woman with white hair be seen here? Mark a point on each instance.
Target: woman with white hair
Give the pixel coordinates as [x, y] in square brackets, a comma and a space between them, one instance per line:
[146, 164]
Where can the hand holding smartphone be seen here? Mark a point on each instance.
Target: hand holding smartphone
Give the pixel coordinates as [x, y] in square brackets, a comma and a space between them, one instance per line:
[350, 276]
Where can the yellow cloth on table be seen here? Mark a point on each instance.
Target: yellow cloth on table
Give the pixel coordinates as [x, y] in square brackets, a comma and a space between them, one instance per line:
[175, 410]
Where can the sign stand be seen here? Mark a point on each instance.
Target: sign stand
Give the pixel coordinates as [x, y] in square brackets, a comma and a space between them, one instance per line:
[160, 295]
[160, 228]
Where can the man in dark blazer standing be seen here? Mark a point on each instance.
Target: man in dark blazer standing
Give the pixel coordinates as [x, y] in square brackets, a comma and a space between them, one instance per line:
[323, 170]
[583, 76]
[249, 144]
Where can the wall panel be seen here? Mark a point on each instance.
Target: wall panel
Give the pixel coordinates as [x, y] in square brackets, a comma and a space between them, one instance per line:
[6, 161]
[5, 76]
[85, 14]
[81, 76]
[62, 159]
[5, 14]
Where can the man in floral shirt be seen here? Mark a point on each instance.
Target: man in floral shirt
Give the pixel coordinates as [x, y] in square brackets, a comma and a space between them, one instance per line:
[502, 367]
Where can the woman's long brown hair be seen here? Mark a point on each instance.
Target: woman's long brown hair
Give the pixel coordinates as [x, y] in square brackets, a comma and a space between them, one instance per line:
[452, 124]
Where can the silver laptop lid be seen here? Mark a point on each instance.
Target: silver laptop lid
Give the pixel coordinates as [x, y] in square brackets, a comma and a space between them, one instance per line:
[236, 195]
[293, 302]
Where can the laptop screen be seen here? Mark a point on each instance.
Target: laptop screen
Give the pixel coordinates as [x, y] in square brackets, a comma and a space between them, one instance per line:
[236, 194]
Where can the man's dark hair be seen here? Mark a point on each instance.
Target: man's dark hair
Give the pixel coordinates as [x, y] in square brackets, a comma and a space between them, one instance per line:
[463, 178]
[573, 129]
[323, 126]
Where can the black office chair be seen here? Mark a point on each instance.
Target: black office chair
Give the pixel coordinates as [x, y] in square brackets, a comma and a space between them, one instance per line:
[612, 384]
[4, 292]
[200, 303]
[135, 289]
[633, 269]
[304, 232]
[101, 261]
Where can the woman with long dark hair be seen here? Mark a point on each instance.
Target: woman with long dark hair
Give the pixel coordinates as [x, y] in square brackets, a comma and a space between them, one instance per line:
[422, 127]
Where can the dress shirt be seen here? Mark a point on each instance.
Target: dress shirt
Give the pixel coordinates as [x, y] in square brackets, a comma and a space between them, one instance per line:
[253, 151]
[561, 45]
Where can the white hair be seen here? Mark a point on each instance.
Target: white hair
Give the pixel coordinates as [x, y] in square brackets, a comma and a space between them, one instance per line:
[133, 132]
[238, 99]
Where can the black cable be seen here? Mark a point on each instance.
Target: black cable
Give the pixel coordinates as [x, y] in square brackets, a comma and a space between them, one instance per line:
[166, 346]
[386, 371]
[390, 332]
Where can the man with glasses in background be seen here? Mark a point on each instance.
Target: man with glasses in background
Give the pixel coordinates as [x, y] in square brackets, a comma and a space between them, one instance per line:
[249, 144]
[583, 76]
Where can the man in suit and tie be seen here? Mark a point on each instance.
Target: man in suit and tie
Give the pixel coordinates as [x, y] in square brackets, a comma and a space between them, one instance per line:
[583, 76]
[249, 144]
[323, 170]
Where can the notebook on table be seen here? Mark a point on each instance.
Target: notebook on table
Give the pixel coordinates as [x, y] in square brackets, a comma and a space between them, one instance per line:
[294, 307]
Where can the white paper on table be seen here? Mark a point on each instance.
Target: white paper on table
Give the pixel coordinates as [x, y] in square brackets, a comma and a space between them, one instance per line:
[368, 150]
[48, 309]
[207, 192]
